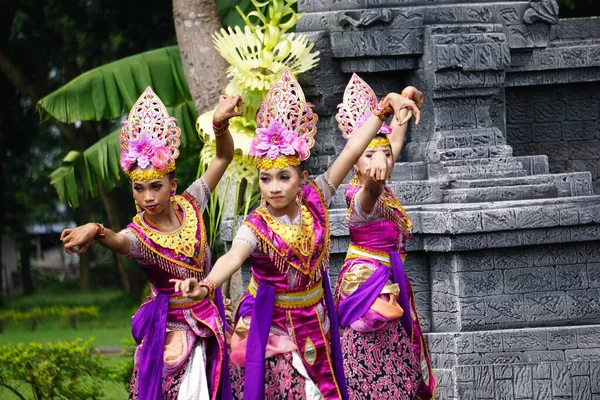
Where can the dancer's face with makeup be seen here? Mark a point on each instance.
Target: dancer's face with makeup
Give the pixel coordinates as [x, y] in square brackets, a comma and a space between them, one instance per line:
[154, 196]
[279, 188]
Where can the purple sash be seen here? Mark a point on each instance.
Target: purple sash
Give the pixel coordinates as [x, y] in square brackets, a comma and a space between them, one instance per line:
[258, 336]
[336, 345]
[353, 307]
[225, 384]
[150, 325]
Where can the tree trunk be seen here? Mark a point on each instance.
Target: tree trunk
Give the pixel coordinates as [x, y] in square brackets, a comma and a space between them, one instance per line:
[205, 69]
[25, 250]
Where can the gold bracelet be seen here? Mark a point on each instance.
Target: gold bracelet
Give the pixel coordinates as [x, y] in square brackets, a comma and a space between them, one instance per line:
[407, 95]
[382, 111]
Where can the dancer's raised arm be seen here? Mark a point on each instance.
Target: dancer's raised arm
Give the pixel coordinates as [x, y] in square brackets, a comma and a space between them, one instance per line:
[229, 107]
[393, 103]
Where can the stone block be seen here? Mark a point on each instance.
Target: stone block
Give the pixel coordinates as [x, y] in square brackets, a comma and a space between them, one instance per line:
[547, 132]
[593, 273]
[497, 220]
[561, 379]
[542, 389]
[572, 276]
[388, 42]
[553, 111]
[581, 368]
[595, 376]
[545, 306]
[520, 113]
[504, 239]
[545, 59]
[587, 252]
[588, 337]
[518, 340]
[555, 77]
[465, 221]
[464, 343]
[555, 254]
[519, 133]
[512, 258]
[578, 130]
[523, 387]
[503, 371]
[528, 280]
[484, 381]
[588, 214]
[473, 284]
[582, 110]
[504, 309]
[562, 338]
[574, 28]
[585, 150]
[544, 236]
[584, 304]
[571, 57]
[504, 390]
[487, 342]
[582, 354]
[556, 151]
[582, 388]
[528, 36]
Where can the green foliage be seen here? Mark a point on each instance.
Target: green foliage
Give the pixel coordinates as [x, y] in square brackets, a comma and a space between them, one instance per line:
[60, 370]
[228, 13]
[70, 316]
[578, 8]
[107, 92]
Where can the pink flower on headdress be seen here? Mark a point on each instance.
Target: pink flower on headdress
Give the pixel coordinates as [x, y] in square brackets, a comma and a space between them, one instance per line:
[273, 142]
[141, 151]
[161, 157]
[385, 129]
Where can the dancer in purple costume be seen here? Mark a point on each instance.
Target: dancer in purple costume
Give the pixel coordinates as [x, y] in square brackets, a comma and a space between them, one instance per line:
[382, 342]
[286, 340]
[182, 353]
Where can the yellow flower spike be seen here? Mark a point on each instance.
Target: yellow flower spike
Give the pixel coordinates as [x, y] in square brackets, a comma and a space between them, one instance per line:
[282, 50]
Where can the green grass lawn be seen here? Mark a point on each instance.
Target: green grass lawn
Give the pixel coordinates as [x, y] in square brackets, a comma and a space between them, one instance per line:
[111, 326]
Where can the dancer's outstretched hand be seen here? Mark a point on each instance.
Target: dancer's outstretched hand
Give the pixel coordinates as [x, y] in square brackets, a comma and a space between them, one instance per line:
[400, 103]
[78, 240]
[379, 167]
[190, 288]
[229, 107]
[417, 95]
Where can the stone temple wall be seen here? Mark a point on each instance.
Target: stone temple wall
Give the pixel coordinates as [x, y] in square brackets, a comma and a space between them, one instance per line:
[560, 121]
[505, 257]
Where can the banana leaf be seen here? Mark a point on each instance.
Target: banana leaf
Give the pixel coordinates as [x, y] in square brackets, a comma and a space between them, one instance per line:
[228, 13]
[108, 92]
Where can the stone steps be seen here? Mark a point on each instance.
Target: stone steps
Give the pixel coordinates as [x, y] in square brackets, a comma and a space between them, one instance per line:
[483, 168]
[503, 193]
[490, 175]
[567, 184]
[460, 153]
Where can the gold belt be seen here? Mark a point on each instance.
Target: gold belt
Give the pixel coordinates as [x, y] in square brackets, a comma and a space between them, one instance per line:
[299, 299]
[176, 302]
[355, 251]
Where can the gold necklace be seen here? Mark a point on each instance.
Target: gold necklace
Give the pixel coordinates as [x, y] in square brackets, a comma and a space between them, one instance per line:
[299, 237]
[181, 240]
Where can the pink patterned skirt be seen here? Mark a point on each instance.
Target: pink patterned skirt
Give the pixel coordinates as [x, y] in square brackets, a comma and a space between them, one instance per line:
[282, 380]
[380, 364]
[170, 384]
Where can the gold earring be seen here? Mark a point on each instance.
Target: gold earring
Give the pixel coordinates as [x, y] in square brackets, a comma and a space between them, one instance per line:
[138, 209]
